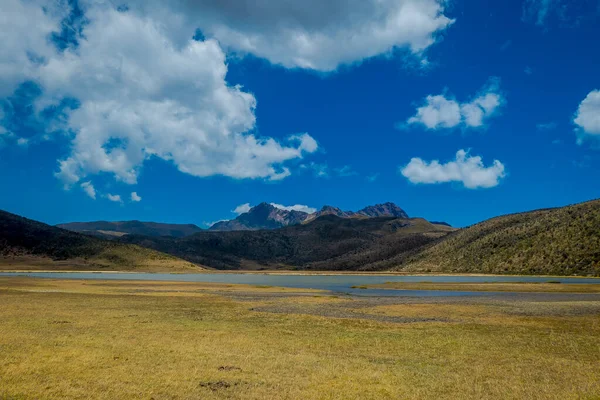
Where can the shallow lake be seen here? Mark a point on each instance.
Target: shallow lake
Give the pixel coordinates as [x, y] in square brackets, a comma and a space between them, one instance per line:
[334, 283]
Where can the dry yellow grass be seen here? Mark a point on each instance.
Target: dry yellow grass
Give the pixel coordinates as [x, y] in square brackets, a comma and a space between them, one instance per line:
[533, 287]
[165, 340]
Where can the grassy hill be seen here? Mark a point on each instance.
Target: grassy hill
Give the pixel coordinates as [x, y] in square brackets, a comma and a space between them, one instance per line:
[327, 243]
[561, 241]
[28, 244]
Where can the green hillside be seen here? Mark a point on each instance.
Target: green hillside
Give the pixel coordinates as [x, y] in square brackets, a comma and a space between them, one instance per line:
[561, 241]
[28, 244]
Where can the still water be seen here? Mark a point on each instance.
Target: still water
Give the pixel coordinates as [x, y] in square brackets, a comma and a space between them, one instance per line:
[334, 283]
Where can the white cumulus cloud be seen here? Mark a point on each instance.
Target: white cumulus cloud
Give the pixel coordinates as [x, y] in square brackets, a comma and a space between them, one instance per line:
[439, 111]
[114, 197]
[89, 189]
[145, 89]
[242, 209]
[135, 197]
[296, 207]
[25, 27]
[311, 34]
[469, 170]
[587, 117]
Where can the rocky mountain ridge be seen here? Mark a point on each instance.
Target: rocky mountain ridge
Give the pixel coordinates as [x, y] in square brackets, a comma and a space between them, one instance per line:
[267, 216]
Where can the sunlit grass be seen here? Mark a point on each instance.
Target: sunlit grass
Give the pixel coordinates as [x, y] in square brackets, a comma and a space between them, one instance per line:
[547, 287]
[172, 340]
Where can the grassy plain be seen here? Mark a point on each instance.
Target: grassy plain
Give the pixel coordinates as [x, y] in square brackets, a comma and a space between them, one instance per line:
[528, 287]
[169, 340]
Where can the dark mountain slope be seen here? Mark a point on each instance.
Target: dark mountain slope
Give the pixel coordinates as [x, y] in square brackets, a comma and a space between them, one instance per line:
[383, 210]
[330, 210]
[28, 244]
[377, 210]
[327, 243]
[561, 241]
[105, 228]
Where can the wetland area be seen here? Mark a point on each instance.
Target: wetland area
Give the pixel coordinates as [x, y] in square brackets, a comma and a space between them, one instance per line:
[264, 336]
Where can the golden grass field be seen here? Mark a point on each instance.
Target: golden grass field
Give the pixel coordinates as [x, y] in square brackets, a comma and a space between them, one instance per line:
[64, 339]
[529, 287]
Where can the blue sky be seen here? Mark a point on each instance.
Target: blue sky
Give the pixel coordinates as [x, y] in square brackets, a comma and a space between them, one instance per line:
[285, 105]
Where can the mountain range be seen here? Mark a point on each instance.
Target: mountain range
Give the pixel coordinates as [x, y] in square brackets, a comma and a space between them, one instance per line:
[262, 216]
[560, 241]
[267, 216]
[325, 243]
